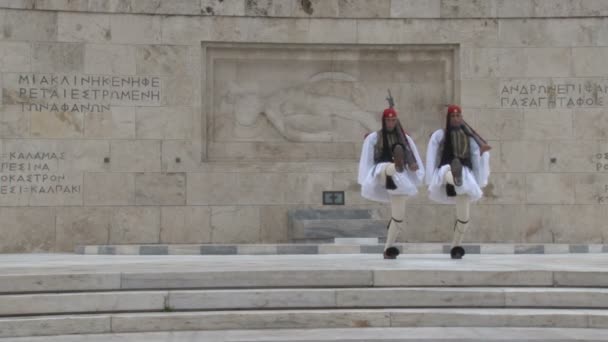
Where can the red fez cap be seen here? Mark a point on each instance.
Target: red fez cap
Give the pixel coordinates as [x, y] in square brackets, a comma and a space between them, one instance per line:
[454, 109]
[389, 113]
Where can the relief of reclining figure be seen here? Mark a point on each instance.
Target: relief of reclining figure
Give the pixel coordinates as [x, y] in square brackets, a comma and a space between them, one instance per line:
[310, 111]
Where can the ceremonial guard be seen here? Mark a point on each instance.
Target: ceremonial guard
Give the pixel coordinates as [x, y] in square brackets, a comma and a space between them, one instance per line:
[390, 169]
[458, 167]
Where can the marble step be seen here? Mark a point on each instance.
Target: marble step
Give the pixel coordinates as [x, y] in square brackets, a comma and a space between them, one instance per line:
[69, 273]
[342, 246]
[291, 278]
[434, 334]
[301, 319]
[331, 298]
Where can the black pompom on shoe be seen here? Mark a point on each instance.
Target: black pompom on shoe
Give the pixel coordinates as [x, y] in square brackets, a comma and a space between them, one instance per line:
[457, 252]
[391, 253]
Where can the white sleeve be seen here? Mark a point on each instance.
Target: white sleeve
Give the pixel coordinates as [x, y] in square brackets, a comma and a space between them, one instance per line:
[366, 163]
[431, 154]
[420, 171]
[481, 164]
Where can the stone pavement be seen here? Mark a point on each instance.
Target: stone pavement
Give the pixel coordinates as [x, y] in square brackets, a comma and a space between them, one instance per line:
[345, 335]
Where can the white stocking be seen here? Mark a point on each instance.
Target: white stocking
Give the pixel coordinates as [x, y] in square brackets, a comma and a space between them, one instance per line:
[462, 219]
[397, 219]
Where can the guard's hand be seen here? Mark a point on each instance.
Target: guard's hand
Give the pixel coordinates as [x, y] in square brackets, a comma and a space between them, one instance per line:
[484, 148]
[413, 167]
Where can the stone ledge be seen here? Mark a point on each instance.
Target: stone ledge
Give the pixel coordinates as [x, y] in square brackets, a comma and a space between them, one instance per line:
[379, 9]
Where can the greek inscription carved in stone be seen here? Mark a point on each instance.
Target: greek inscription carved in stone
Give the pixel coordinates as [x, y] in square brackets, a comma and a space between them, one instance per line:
[601, 162]
[553, 94]
[34, 173]
[602, 197]
[81, 93]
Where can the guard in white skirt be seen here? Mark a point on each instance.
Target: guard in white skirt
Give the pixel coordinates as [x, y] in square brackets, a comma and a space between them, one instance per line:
[390, 169]
[458, 167]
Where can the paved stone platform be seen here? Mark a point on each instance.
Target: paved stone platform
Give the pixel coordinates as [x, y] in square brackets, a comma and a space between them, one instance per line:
[341, 246]
[58, 263]
[435, 334]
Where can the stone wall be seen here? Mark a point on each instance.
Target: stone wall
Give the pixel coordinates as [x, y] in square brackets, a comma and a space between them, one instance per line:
[136, 121]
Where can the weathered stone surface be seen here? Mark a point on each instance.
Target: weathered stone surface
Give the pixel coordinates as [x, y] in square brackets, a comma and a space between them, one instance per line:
[467, 9]
[187, 7]
[511, 159]
[181, 155]
[213, 188]
[364, 9]
[426, 223]
[135, 225]
[316, 8]
[273, 224]
[310, 230]
[248, 320]
[109, 59]
[591, 188]
[220, 7]
[66, 5]
[117, 124]
[231, 224]
[330, 31]
[513, 223]
[13, 122]
[237, 299]
[80, 226]
[161, 59]
[135, 156]
[576, 156]
[81, 302]
[589, 123]
[479, 62]
[160, 189]
[505, 188]
[18, 4]
[135, 29]
[105, 188]
[27, 229]
[58, 57]
[415, 8]
[17, 25]
[534, 62]
[514, 9]
[190, 224]
[347, 182]
[164, 123]
[550, 188]
[479, 93]
[11, 327]
[588, 220]
[15, 56]
[498, 124]
[419, 297]
[77, 27]
[547, 124]
[189, 30]
[56, 124]
[549, 32]
[431, 278]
